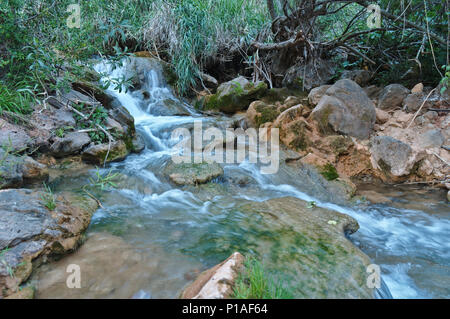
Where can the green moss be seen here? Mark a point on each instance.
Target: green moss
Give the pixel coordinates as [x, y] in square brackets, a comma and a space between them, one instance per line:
[268, 114]
[329, 172]
[169, 74]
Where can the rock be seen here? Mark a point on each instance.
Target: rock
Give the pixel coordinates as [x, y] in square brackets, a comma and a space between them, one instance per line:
[33, 171]
[382, 116]
[14, 137]
[192, 174]
[319, 248]
[235, 95]
[24, 293]
[392, 156]
[317, 93]
[138, 144]
[392, 96]
[169, 107]
[259, 113]
[448, 196]
[10, 170]
[414, 101]
[294, 128]
[346, 109]
[72, 143]
[217, 282]
[291, 101]
[96, 154]
[431, 115]
[15, 170]
[107, 262]
[418, 88]
[112, 124]
[309, 76]
[373, 92]
[313, 159]
[431, 138]
[362, 77]
[30, 231]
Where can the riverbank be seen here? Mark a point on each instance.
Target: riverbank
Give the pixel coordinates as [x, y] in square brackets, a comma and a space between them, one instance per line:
[213, 209]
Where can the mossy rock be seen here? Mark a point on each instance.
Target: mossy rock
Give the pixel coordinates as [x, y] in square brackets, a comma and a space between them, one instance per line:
[193, 173]
[324, 262]
[96, 154]
[235, 95]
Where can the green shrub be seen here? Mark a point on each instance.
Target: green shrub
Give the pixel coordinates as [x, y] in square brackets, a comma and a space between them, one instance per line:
[329, 172]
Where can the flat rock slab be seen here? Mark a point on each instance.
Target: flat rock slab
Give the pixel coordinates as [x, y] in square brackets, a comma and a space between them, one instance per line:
[192, 174]
[327, 264]
[29, 230]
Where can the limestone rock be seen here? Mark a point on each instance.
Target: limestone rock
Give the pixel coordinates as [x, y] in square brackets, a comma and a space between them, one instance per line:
[392, 96]
[72, 143]
[31, 231]
[192, 174]
[217, 282]
[235, 95]
[393, 156]
[97, 153]
[346, 109]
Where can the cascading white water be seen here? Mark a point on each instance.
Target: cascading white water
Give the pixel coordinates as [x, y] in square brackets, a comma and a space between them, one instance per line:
[410, 245]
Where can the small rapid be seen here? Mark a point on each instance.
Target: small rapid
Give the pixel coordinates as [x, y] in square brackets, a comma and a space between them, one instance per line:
[184, 230]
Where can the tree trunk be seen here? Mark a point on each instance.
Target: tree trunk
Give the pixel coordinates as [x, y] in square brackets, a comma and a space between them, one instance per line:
[271, 8]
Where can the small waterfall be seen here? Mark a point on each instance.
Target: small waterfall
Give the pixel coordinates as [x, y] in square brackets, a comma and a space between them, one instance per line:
[401, 241]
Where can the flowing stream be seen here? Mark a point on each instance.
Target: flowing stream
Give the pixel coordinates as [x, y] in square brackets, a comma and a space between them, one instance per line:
[152, 238]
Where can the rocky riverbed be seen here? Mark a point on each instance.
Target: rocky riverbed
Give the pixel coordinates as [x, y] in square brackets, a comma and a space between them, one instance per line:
[157, 214]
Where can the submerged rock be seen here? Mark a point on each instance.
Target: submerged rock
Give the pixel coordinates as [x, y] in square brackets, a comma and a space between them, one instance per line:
[30, 231]
[192, 174]
[216, 282]
[327, 264]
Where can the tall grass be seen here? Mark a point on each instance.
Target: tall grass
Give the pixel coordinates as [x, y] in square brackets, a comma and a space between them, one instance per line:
[192, 32]
[255, 283]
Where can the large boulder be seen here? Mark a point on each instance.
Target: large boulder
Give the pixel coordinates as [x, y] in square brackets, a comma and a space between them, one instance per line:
[325, 263]
[29, 231]
[393, 157]
[346, 109]
[392, 96]
[235, 95]
[216, 282]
